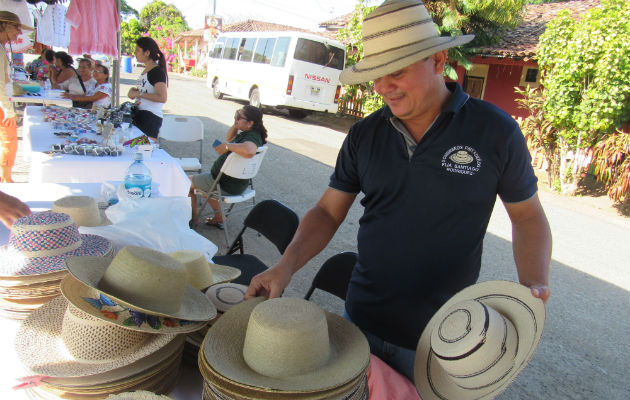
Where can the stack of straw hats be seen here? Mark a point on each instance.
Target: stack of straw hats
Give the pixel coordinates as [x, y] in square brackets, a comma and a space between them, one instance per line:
[83, 210]
[32, 264]
[120, 326]
[283, 348]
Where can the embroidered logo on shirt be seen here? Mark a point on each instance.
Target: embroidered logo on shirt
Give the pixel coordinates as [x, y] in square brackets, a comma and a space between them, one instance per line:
[462, 160]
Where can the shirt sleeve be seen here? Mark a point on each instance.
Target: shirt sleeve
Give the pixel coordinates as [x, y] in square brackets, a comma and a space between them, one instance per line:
[73, 15]
[104, 88]
[156, 75]
[518, 181]
[251, 136]
[345, 177]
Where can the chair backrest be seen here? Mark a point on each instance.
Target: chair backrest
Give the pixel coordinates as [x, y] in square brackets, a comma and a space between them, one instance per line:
[181, 129]
[273, 220]
[334, 275]
[240, 167]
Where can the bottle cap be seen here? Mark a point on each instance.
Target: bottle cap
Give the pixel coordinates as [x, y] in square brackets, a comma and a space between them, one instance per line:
[138, 156]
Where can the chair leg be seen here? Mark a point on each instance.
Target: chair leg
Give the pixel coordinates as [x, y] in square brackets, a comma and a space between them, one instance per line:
[198, 216]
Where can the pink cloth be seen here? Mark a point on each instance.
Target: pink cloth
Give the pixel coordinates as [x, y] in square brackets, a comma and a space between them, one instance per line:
[387, 384]
[94, 26]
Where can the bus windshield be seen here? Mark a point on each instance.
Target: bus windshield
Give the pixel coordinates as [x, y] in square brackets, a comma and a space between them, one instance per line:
[319, 53]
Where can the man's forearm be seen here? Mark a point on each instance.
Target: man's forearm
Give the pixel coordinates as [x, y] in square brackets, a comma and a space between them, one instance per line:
[531, 243]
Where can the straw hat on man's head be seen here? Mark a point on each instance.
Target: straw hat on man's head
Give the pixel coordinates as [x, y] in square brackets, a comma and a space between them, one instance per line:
[285, 345]
[478, 342]
[9, 17]
[397, 34]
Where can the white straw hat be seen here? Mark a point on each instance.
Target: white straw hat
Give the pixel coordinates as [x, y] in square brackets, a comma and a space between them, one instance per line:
[60, 340]
[83, 210]
[397, 34]
[200, 273]
[285, 344]
[40, 243]
[145, 280]
[138, 395]
[98, 305]
[226, 295]
[478, 342]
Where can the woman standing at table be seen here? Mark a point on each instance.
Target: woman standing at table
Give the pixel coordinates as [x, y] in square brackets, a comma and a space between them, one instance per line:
[10, 29]
[63, 71]
[151, 87]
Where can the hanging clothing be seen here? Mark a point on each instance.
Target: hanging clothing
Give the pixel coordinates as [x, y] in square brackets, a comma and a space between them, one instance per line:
[52, 29]
[19, 8]
[94, 25]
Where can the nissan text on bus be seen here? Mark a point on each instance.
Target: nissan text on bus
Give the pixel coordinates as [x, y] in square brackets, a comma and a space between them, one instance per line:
[292, 70]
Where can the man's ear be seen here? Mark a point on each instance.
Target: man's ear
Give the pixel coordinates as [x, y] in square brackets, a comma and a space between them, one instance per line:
[439, 60]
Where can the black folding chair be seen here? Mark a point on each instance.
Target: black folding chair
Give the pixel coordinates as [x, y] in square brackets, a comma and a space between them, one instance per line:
[334, 275]
[274, 221]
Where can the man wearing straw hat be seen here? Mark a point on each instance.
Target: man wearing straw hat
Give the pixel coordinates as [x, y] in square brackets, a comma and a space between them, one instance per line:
[430, 165]
[10, 29]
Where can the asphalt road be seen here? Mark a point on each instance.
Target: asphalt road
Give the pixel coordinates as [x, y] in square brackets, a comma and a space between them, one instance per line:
[585, 349]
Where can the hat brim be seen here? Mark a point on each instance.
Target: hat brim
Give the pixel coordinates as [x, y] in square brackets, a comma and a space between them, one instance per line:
[377, 66]
[220, 274]
[22, 26]
[13, 263]
[40, 348]
[89, 270]
[223, 350]
[90, 300]
[234, 294]
[513, 301]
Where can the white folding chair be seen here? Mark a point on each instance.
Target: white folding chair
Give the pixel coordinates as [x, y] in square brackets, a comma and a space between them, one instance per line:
[236, 167]
[184, 129]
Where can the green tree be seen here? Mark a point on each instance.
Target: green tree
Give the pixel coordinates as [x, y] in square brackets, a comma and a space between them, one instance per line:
[586, 80]
[127, 11]
[486, 19]
[129, 33]
[158, 12]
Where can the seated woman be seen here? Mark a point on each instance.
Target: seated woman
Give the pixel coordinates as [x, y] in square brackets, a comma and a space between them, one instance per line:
[101, 94]
[243, 138]
[63, 69]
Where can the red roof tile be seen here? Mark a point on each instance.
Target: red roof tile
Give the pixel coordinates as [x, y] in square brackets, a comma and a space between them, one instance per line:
[522, 41]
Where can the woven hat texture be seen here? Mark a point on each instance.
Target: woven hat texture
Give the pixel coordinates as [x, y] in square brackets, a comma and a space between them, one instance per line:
[8, 16]
[397, 34]
[200, 273]
[83, 210]
[146, 280]
[285, 344]
[41, 242]
[62, 341]
[478, 342]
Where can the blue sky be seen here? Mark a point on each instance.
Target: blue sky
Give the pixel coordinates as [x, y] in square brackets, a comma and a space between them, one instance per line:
[305, 14]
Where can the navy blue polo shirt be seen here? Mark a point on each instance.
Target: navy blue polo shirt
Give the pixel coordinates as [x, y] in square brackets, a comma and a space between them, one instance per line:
[421, 235]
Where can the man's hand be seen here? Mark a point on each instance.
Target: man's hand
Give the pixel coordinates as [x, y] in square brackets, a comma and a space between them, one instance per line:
[269, 283]
[11, 209]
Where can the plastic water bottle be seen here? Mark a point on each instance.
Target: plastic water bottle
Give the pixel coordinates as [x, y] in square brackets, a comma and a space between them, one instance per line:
[138, 179]
[47, 87]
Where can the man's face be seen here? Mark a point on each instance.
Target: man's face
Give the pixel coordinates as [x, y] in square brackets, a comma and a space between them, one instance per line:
[408, 92]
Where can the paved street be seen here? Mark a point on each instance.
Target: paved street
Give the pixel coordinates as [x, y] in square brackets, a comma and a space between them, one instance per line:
[585, 349]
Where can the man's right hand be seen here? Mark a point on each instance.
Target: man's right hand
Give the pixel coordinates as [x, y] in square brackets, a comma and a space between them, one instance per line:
[270, 283]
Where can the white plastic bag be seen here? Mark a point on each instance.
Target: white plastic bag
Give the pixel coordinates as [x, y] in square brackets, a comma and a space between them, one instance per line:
[159, 223]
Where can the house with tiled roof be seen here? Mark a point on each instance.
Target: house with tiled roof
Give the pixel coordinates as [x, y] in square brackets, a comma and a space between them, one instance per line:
[511, 62]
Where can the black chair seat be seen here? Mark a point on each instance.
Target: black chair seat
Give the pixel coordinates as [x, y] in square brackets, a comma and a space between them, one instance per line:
[249, 265]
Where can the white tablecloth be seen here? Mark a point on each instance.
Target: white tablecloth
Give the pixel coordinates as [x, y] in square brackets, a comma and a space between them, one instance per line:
[38, 137]
[53, 97]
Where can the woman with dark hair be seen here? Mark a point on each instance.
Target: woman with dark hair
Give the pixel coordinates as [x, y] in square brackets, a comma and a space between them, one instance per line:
[100, 94]
[151, 87]
[64, 69]
[243, 138]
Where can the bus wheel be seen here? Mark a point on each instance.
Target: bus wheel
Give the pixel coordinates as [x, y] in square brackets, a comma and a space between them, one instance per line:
[297, 114]
[254, 98]
[215, 90]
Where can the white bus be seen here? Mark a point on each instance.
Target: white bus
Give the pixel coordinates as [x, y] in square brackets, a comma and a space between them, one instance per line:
[293, 70]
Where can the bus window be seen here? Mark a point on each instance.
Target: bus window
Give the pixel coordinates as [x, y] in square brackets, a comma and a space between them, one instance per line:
[245, 51]
[318, 53]
[216, 52]
[230, 48]
[264, 50]
[280, 52]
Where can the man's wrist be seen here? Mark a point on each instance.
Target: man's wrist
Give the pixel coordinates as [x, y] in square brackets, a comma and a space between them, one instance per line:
[227, 148]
